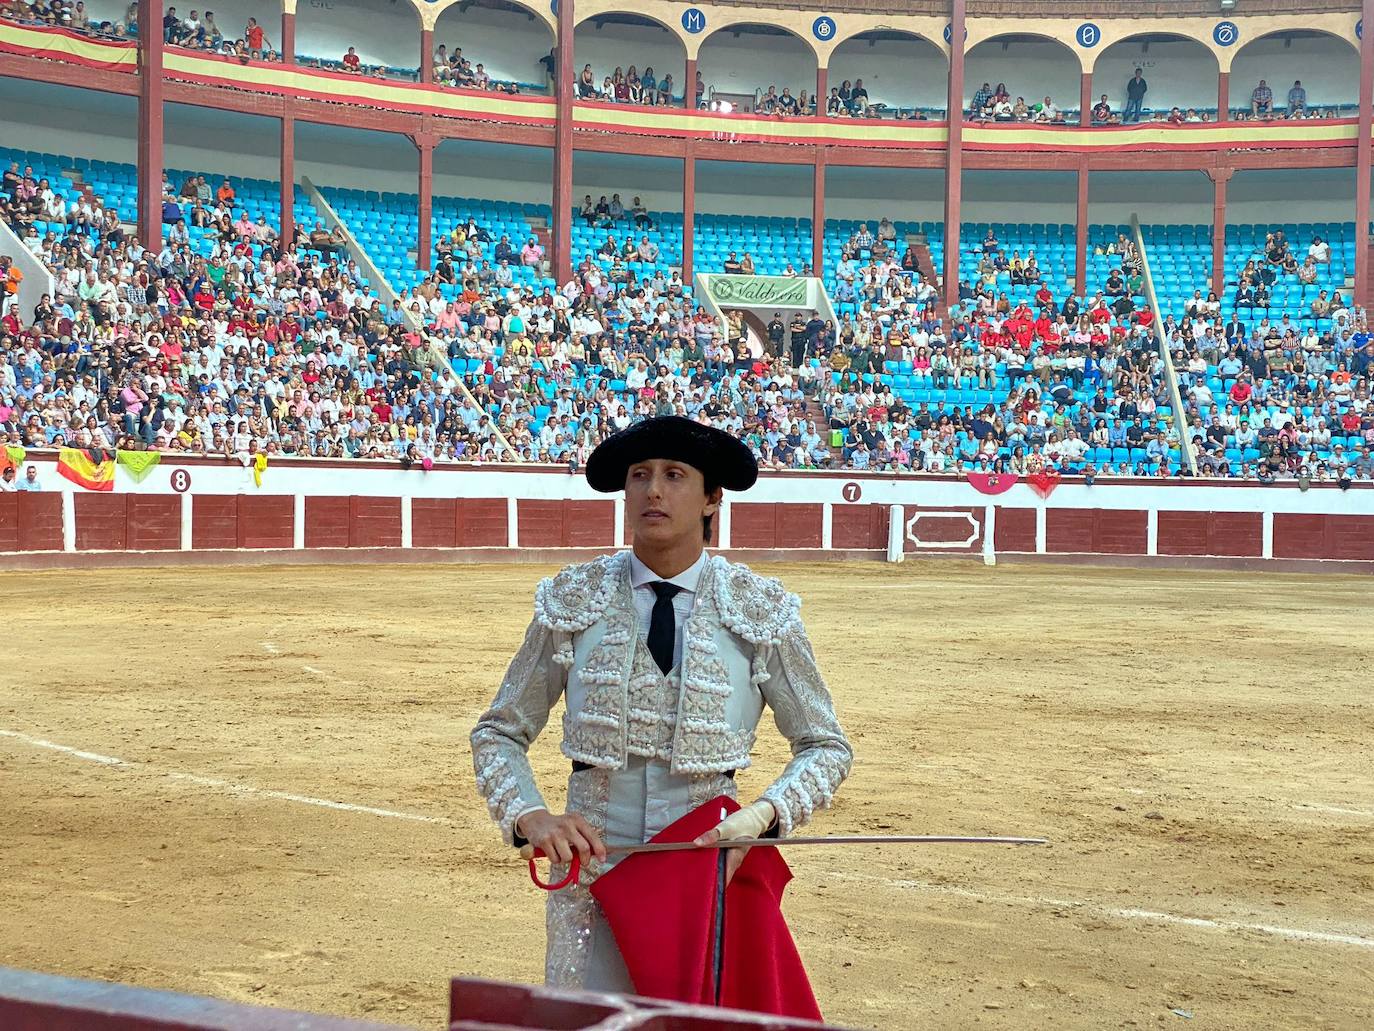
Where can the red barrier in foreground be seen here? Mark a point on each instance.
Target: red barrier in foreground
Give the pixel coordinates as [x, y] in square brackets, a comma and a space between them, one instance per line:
[41, 1002]
[477, 1005]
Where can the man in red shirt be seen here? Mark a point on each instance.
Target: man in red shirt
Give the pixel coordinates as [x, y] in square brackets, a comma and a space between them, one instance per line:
[1241, 390]
[352, 62]
[256, 38]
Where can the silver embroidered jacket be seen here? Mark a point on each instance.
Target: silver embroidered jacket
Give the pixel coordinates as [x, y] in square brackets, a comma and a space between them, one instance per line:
[743, 645]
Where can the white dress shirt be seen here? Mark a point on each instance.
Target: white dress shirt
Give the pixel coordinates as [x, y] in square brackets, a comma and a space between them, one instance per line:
[642, 579]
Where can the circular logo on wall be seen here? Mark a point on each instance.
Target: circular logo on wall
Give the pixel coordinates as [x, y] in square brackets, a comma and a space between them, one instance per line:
[693, 19]
[1225, 33]
[1088, 35]
[823, 28]
[851, 491]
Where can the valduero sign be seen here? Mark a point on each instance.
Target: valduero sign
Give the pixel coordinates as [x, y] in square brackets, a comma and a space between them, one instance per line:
[782, 291]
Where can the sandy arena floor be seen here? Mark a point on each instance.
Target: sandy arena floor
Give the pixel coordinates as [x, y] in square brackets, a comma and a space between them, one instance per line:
[1200, 749]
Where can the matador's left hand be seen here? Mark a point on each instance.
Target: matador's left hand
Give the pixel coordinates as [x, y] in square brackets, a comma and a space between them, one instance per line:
[752, 821]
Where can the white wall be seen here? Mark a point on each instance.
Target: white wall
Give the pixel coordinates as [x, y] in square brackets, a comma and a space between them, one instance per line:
[756, 62]
[619, 46]
[384, 32]
[897, 72]
[1031, 69]
[287, 476]
[1179, 73]
[508, 44]
[1328, 67]
[115, 10]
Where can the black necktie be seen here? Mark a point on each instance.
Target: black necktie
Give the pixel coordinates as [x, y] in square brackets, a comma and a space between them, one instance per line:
[662, 625]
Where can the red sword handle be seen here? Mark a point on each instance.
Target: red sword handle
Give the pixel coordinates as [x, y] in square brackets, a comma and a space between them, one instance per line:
[574, 868]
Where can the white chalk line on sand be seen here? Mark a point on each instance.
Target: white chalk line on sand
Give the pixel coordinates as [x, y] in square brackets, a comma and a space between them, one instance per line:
[270, 647]
[1334, 809]
[1149, 915]
[216, 784]
[1290, 933]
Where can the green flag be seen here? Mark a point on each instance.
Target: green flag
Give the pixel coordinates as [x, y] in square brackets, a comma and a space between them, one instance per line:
[139, 463]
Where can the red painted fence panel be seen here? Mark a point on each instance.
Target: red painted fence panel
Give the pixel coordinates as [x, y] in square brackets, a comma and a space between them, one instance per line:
[753, 525]
[326, 522]
[434, 522]
[1121, 533]
[482, 523]
[540, 523]
[30, 522]
[101, 522]
[9, 521]
[40, 522]
[374, 522]
[799, 526]
[1299, 535]
[588, 524]
[942, 529]
[1095, 531]
[860, 527]
[1231, 534]
[1015, 530]
[214, 521]
[154, 522]
[266, 521]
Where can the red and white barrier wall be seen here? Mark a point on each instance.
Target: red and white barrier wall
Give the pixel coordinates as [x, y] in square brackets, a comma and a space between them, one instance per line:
[191, 505]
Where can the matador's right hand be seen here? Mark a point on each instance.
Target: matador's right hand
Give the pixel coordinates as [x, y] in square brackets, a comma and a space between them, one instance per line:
[558, 837]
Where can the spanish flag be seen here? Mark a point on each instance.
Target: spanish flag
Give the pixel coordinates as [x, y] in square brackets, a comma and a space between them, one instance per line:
[92, 468]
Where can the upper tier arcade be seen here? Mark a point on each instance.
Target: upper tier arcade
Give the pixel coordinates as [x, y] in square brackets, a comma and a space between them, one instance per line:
[728, 61]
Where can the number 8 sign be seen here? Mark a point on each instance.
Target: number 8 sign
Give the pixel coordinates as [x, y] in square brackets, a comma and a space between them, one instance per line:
[181, 481]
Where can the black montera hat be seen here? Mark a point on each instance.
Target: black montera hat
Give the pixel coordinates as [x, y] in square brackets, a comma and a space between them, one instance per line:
[723, 459]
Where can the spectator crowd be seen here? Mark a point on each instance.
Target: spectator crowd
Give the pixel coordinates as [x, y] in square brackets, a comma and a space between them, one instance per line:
[233, 342]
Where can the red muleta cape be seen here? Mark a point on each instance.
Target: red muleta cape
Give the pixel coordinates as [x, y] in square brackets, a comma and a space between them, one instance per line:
[660, 908]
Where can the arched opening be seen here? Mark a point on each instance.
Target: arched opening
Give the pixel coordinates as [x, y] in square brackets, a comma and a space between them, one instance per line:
[904, 75]
[486, 44]
[370, 38]
[747, 68]
[629, 59]
[1307, 74]
[1031, 70]
[1175, 72]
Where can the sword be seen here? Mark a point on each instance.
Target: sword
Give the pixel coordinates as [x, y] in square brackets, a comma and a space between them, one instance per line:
[574, 868]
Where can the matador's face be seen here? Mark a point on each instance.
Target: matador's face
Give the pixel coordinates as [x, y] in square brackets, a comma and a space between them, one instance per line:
[666, 501]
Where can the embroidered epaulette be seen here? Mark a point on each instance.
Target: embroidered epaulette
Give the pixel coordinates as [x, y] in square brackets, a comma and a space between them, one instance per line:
[575, 598]
[756, 607]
